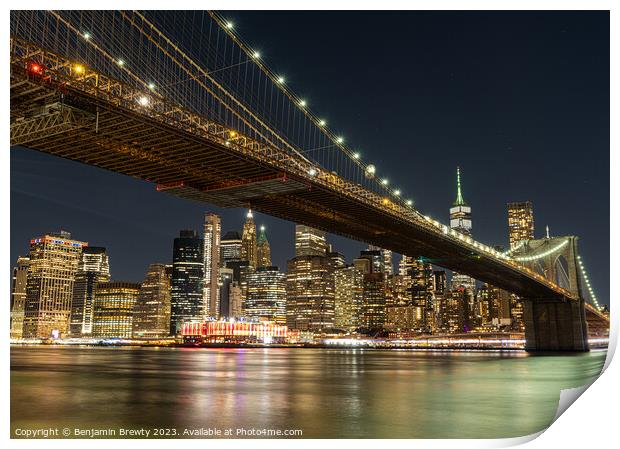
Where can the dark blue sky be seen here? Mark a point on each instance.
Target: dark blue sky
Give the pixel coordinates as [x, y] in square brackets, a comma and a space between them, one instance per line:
[519, 100]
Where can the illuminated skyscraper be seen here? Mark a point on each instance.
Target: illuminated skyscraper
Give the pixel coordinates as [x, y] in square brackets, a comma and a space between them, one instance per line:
[211, 251]
[151, 312]
[227, 285]
[187, 303]
[348, 288]
[520, 222]
[422, 295]
[310, 293]
[263, 251]
[93, 268]
[54, 261]
[230, 248]
[460, 221]
[266, 297]
[113, 309]
[386, 254]
[309, 241]
[248, 239]
[373, 301]
[18, 296]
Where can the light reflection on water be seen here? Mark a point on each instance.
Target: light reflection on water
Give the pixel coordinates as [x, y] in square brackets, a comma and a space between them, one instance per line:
[325, 392]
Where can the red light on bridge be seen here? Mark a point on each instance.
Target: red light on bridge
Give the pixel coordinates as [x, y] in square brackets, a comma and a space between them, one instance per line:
[35, 68]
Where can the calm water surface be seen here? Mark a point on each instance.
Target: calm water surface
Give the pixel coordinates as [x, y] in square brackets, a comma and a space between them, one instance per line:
[326, 393]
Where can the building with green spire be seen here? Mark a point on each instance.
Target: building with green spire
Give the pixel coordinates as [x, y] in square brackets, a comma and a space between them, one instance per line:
[263, 250]
[460, 221]
[460, 212]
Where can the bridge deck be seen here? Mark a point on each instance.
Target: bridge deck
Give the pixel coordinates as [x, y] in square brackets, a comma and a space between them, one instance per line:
[102, 123]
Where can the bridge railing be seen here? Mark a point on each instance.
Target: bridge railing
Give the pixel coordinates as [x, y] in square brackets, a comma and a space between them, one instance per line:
[65, 73]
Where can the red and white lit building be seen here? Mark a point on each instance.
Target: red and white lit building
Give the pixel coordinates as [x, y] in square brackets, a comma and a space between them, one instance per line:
[234, 331]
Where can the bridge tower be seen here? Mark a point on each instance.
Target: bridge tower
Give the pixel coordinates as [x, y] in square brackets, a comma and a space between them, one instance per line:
[554, 324]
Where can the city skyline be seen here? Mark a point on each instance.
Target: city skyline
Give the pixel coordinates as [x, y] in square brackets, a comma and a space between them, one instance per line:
[541, 132]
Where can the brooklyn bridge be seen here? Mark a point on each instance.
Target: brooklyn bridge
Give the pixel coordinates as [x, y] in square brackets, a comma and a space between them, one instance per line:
[213, 123]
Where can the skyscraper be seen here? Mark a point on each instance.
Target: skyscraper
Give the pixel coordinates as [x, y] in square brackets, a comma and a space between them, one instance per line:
[520, 222]
[113, 309]
[263, 251]
[422, 295]
[348, 291]
[151, 312]
[460, 221]
[187, 280]
[18, 296]
[211, 251]
[266, 297]
[93, 268]
[309, 241]
[230, 248]
[226, 293]
[248, 241]
[54, 260]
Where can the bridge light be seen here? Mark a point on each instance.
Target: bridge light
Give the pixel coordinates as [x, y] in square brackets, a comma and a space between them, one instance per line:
[302, 103]
[256, 55]
[397, 192]
[409, 203]
[143, 101]
[228, 143]
[79, 69]
[281, 79]
[151, 86]
[369, 172]
[339, 139]
[356, 156]
[120, 62]
[322, 123]
[312, 172]
[385, 201]
[35, 68]
[86, 35]
[229, 25]
[384, 181]
[233, 134]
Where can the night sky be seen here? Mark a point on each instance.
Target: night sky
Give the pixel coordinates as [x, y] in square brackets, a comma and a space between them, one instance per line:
[519, 100]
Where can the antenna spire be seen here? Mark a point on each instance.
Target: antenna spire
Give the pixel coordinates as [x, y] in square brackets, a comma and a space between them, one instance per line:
[459, 196]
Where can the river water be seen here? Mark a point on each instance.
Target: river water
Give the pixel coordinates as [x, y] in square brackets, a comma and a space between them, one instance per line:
[325, 393]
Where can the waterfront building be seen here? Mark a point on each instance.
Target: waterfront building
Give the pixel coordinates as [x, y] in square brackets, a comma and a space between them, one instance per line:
[338, 259]
[226, 292]
[18, 296]
[386, 254]
[230, 248]
[187, 281]
[266, 296]
[520, 222]
[263, 250]
[248, 241]
[422, 295]
[234, 331]
[460, 221]
[53, 264]
[151, 312]
[211, 253]
[310, 298]
[373, 301]
[93, 267]
[241, 272]
[348, 297]
[516, 313]
[113, 309]
[309, 241]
